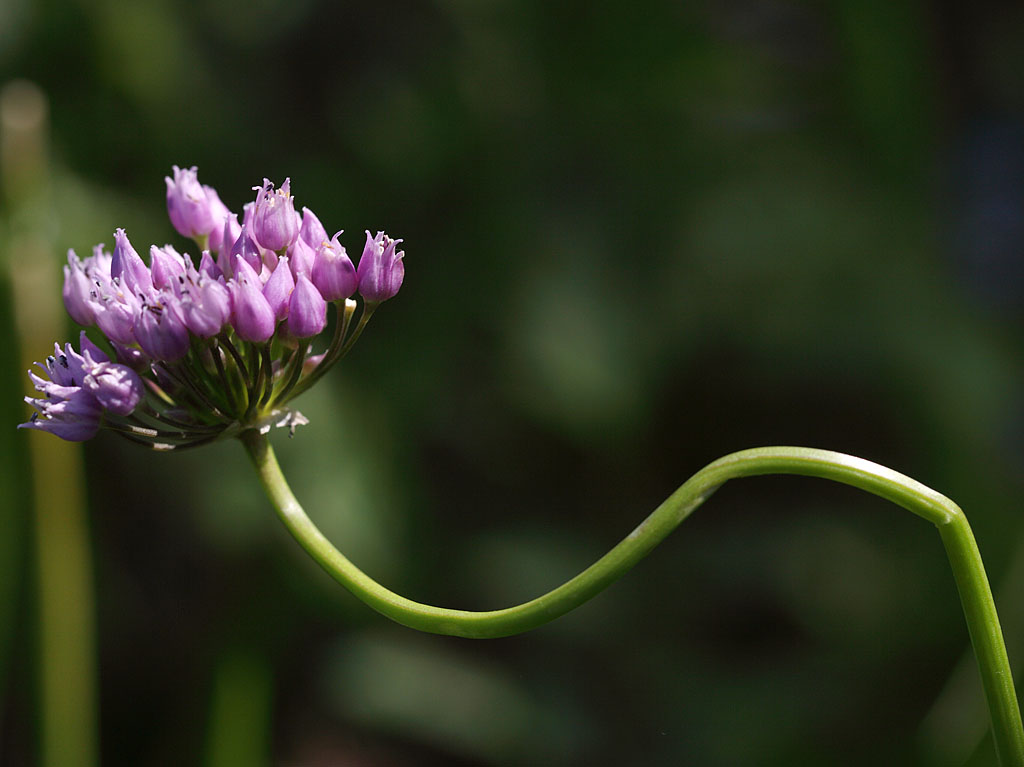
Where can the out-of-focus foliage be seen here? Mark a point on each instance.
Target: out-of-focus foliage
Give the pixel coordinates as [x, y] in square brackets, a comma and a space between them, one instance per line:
[639, 236]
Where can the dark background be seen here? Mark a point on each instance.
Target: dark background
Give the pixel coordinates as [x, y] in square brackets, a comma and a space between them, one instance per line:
[639, 236]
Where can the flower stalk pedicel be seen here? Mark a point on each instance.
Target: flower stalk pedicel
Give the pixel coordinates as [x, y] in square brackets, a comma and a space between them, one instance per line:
[218, 350]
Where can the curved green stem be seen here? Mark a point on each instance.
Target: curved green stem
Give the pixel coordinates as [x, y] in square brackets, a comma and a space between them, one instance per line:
[964, 558]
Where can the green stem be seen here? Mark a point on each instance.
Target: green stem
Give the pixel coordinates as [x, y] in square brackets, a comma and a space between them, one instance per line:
[964, 558]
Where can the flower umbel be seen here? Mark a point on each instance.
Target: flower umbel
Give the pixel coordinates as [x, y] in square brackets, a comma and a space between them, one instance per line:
[211, 345]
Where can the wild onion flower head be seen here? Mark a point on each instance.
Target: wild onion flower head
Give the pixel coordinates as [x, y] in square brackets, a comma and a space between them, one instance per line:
[191, 349]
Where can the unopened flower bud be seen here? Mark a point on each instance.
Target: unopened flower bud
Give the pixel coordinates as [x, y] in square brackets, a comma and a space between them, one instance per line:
[209, 267]
[205, 304]
[219, 213]
[189, 205]
[128, 266]
[381, 269]
[278, 289]
[117, 388]
[116, 317]
[301, 257]
[245, 248]
[307, 310]
[77, 290]
[94, 351]
[228, 238]
[333, 273]
[160, 330]
[275, 224]
[312, 232]
[166, 265]
[252, 317]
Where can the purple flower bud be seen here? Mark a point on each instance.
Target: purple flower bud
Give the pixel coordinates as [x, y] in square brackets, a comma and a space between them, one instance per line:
[275, 224]
[220, 214]
[278, 289]
[248, 211]
[312, 231]
[301, 257]
[128, 266]
[94, 351]
[333, 273]
[77, 290]
[252, 317]
[206, 306]
[270, 263]
[204, 301]
[189, 205]
[209, 267]
[307, 310]
[228, 238]
[116, 316]
[116, 387]
[245, 247]
[160, 330]
[381, 269]
[166, 265]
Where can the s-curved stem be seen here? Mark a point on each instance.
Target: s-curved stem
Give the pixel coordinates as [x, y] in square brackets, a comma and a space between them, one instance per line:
[964, 558]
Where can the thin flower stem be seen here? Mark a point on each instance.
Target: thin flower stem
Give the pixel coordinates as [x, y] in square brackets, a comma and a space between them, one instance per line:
[243, 371]
[195, 363]
[268, 378]
[259, 374]
[229, 388]
[126, 426]
[290, 374]
[165, 447]
[339, 346]
[154, 389]
[964, 558]
[255, 365]
[180, 372]
[161, 420]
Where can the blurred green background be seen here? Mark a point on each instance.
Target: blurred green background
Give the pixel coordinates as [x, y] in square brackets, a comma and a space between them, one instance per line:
[638, 236]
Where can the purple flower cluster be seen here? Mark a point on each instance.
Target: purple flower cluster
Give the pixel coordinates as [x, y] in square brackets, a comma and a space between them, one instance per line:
[212, 347]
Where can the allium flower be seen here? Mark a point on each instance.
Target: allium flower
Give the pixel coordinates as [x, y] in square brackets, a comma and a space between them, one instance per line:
[301, 257]
[116, 387]
[333, 273]
[381, 269]
[252, 315]
[312, 232]
[128, 267]
[278, 289]
[221, 220]
[166, 266]
[205, 302]
[79, 388]
[195, 210]
[207, 350]
[160, 328]
[245, 247]
[274, 221]
[78, 290]
[307, 311]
